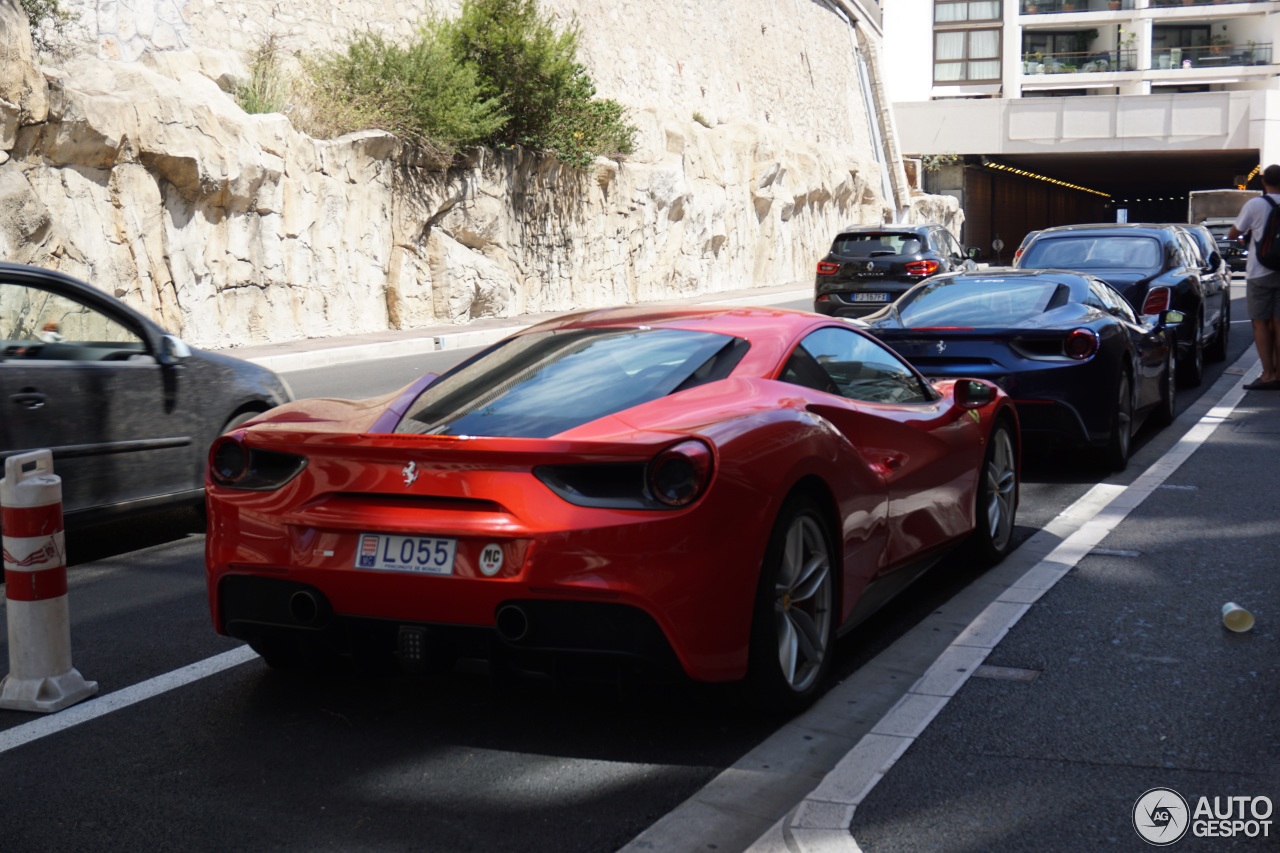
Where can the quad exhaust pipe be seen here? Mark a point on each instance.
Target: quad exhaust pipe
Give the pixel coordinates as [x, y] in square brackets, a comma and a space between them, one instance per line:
[512, 623]
[305, 608]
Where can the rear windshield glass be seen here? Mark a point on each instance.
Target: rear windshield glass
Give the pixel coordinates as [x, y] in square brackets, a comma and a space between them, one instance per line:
[869, 244]
[541, 384]
[1089, 252]
[980, 303]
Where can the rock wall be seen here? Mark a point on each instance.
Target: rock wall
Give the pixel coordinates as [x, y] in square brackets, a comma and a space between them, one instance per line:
[141, 175]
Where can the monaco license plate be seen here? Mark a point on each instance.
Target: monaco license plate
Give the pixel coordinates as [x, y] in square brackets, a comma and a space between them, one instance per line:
[428, 555]
[870, 297]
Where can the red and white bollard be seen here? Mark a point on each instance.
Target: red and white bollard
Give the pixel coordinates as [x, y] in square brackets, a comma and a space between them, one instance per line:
[41, 677]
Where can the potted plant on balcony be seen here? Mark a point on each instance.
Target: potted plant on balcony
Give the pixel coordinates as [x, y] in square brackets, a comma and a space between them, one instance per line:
[1113, 5]
[1248, 52]
[1128, 39]
[1218, 44]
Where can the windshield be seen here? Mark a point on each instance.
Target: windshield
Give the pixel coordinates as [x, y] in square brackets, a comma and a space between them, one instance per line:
[979, 302]
[1088, 252]
[866, 245]
[541, 384]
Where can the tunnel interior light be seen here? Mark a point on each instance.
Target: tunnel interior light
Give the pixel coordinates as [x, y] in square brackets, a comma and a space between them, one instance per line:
[1001, 167]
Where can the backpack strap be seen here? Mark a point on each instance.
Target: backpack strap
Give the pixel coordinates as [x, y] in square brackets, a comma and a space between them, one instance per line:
[1266, 224]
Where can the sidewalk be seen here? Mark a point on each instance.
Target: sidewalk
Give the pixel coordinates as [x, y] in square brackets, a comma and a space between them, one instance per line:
[1104, 672]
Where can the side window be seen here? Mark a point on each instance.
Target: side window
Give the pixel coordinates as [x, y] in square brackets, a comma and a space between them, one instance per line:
[1098, 297]
[841, 361]
[947, 244]
[36, 323]
[1112, 300]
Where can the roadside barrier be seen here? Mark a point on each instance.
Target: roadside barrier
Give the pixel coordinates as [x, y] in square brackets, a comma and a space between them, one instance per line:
[41, 677]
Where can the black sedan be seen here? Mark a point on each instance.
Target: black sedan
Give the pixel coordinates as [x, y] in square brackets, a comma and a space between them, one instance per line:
[127, 409]
[1082, 368]
[1234, 252]
[1154, 266]
[870, 266]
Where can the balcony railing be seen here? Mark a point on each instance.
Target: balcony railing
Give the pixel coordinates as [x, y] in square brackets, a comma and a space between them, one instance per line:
[1053, 7]
[1211, 56]
[1087, 62]
[1074, 62]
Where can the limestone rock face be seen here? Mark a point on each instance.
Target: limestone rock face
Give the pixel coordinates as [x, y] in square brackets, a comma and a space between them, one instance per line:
[146, 179]
[22, 91]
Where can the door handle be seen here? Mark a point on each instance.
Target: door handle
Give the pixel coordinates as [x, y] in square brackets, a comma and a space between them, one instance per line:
[29, 399]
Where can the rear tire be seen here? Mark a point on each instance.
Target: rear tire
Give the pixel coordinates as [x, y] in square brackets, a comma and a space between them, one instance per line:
[1116, 454]
[1217, 351]
[1167, 409]
[1191, 368]
[794, 620]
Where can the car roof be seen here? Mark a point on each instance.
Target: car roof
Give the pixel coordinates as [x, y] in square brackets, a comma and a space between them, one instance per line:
[1069, 277]
[915, 228]
[771, 331]
[1152, 229]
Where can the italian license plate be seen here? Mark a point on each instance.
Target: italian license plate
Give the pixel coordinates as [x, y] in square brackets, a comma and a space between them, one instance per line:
[870, 297]
[428, 555]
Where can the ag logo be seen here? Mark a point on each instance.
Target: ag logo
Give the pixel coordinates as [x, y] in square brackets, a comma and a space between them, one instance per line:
[1160, 816]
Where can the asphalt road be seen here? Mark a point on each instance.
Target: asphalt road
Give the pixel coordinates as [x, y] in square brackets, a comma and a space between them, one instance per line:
[247, 759]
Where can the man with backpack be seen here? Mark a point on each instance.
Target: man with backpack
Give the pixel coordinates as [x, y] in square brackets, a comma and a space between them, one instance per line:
[1259, 219]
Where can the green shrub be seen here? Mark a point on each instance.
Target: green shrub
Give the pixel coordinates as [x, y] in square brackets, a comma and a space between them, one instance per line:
[418, 92]
[497, 75]
[267, 89]
[547, 95]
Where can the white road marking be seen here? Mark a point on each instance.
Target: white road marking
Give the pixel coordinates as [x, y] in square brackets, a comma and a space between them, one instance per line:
[94, 708]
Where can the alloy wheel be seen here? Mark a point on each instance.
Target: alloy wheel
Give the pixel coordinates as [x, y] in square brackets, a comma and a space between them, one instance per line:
[802, 602]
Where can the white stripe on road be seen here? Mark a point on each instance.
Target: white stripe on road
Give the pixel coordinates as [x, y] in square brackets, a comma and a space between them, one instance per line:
[94, 708]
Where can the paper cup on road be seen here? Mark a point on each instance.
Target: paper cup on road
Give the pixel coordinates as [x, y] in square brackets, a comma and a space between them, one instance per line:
[1236, 618]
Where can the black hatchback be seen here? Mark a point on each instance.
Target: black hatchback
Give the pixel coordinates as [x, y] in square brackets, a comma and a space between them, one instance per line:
[869, 267]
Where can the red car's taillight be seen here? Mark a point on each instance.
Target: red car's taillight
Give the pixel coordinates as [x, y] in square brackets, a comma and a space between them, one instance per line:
[1158, 300]
[1081, 344]
[234, 465]
[926, 267]
[680, 474]
[827, 268]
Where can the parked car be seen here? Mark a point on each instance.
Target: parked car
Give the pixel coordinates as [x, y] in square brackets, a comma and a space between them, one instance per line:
[1234, 252]
[870, 266]
[1026, 238]
[1153, 266]
[1215, 279]
[127, 409]
[1081, 366]
[715, 491]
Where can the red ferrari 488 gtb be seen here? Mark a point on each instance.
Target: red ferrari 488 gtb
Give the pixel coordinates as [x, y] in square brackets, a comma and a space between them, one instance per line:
[721, 491]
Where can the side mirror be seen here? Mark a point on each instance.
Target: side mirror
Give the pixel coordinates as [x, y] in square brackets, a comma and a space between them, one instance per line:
[1215, 260]
[173, 350]
[973, 252]
[1172, 318]
[974, 393]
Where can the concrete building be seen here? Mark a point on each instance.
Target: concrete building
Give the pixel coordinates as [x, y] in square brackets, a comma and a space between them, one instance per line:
[1045, 112]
